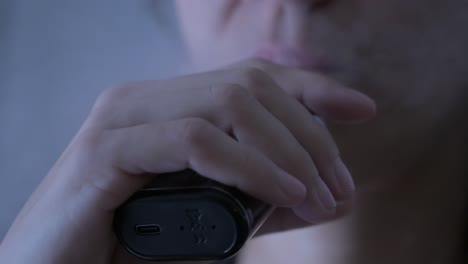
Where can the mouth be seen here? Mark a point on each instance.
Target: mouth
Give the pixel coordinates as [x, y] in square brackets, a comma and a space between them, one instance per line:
[296, 58]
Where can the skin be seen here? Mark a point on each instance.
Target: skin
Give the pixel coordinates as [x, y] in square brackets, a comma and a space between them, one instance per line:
[278, 152]
[411, 58]
[239, 123]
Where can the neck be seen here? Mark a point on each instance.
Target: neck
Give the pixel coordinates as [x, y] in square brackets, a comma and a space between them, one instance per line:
[410, 205]
[412, 210]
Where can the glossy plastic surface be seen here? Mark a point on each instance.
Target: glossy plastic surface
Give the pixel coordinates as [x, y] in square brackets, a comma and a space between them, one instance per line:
[183, 216]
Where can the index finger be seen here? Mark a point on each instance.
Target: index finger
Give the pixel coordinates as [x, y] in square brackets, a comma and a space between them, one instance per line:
[321, 95]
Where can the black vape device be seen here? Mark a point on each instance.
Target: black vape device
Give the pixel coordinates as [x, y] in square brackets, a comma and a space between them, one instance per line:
[184, 216]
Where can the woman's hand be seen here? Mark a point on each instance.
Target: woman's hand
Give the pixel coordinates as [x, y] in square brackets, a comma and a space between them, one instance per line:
[251, 125]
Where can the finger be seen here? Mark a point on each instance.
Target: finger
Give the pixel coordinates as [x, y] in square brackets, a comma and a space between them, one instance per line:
[197, 144]
[321, 95]
[255, 126]
[140, 102]
[284, 219]
[312, 135]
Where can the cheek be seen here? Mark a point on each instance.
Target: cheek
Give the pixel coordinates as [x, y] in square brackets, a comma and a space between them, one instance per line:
[413, 59]
[194, 20]
[221, 32]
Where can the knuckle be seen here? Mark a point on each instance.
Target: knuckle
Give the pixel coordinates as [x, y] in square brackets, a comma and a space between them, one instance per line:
[231, 95]
[257, 79]
[113, 95]
[253, 76]
[259, 63]
[108, 105]
[193, 132]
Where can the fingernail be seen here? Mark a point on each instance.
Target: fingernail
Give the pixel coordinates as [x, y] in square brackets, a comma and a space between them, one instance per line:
[320, 121]
[294, 189]
[326, 197]
[345, 180]
[319, 207]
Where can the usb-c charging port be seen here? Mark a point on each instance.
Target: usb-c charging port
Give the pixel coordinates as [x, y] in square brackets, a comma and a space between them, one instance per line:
[150, 229]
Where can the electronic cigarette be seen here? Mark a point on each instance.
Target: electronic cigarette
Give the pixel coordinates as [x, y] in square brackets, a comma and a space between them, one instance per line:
[184, 216]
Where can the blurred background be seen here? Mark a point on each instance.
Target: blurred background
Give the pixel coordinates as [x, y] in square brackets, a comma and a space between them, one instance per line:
[56, 56]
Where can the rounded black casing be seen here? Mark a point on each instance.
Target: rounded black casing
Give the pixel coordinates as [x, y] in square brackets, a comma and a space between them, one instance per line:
[183, 216]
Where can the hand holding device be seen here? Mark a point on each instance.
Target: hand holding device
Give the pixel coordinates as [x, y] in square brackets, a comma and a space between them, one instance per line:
[250, 126]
